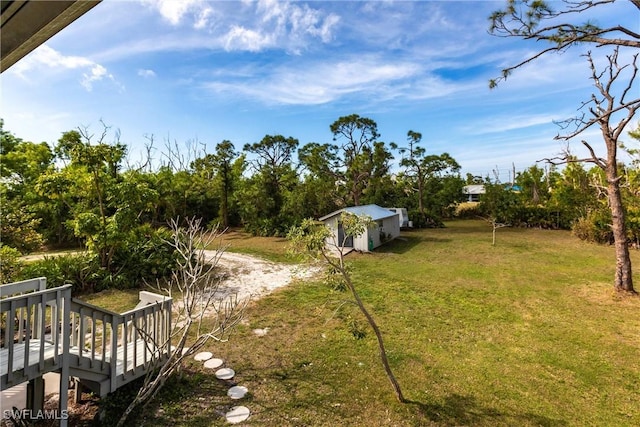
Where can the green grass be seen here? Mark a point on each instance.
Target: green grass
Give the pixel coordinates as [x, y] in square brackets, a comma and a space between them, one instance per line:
[528, 332]
[270, 248]
[115, 300]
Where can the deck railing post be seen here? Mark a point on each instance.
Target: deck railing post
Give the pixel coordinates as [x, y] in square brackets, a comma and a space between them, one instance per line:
[64, 370]
[115, 327]
[9, 339]
[40, 315]
[35, 394]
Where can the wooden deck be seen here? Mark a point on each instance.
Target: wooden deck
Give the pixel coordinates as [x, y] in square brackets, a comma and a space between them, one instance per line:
[142, 355]
[32, 360]
[45, 330]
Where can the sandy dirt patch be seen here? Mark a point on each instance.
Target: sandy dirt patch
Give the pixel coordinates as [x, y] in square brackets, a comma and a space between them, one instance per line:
[251, 277]
[245, 275]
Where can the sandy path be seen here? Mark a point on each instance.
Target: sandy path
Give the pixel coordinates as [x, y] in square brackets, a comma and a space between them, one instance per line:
[249, 276]
[246, 275]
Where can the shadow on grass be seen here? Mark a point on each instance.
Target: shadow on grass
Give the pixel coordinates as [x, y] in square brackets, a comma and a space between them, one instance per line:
[459, 410]
[194, 398]
[406, 243]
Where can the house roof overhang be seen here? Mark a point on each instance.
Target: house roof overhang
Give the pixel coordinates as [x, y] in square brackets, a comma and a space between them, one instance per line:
[374, 212]
[25, 25]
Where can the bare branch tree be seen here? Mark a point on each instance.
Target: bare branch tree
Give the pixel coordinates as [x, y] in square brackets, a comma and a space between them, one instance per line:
[495, 225]
[616, 97]
[522, 19]
[180, 158]
[145, 164]
[200, 311]
[604, 109]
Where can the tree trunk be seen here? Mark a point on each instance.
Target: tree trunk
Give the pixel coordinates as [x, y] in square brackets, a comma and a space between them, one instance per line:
[623, 280]
[376, 330]
[420, 194]
[225, 197]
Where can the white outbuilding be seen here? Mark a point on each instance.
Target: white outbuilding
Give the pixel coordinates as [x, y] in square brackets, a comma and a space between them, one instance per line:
[386, 228]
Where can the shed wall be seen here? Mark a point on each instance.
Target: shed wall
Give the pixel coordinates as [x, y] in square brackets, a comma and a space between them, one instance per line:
[390, 227]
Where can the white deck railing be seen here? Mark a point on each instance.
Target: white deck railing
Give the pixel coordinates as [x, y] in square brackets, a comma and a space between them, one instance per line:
[35, 335]
[45, 330]
[29, 314]
[135, 339]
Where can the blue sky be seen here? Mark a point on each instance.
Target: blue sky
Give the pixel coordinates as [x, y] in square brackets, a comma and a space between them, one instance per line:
[191, 70]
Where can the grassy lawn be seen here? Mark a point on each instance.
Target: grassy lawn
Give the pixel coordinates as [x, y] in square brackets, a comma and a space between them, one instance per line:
[526, 333]
[270, 248]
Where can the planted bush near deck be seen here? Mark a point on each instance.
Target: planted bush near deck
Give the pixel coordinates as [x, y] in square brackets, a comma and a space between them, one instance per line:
[10, 264]
[80, 270]
[144, 257]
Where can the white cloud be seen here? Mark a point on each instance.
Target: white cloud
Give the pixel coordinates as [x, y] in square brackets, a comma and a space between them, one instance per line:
[203, 18]
[146, 73]
[174, 10]
[291, 24]
[97, 73]
[239, 38]
[46, 57]
[323, 82]
[253, 27]
[505, 123]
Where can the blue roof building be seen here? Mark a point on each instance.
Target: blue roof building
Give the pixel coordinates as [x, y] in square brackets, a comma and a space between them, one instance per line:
[386, 227]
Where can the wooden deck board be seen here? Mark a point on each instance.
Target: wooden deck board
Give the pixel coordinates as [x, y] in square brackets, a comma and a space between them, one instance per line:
[18, 355]
[49, 351]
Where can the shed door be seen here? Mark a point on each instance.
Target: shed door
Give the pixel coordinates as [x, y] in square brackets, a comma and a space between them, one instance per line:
[348, 243]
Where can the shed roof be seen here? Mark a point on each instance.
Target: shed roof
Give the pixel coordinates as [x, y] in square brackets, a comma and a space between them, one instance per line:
[375, 212]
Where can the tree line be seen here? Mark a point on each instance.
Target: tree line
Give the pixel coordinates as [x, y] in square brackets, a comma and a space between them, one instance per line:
[83, 192]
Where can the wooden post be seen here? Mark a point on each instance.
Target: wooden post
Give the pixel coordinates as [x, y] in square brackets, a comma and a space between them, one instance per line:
[78, 392]
[35, 394]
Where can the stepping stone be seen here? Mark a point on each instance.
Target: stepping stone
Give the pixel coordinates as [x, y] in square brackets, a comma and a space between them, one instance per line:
[237, 414]
[237, 392]
[213, 363]
[184, 350]
[203, 355]
[225, 373]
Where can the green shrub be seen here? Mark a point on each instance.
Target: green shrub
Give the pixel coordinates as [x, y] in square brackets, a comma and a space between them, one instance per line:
[594, 228]
[426, 220]
[10, 264]
[81, 271]
[19, 226]
[144, 256]
[633, 225]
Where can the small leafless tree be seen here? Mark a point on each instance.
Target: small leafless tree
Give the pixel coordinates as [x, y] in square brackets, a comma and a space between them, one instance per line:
[495, 224]
[198, 310]
[179, 157]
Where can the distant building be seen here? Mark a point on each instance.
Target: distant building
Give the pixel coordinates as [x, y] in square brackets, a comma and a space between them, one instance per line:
[387, 227]
[473, 192]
